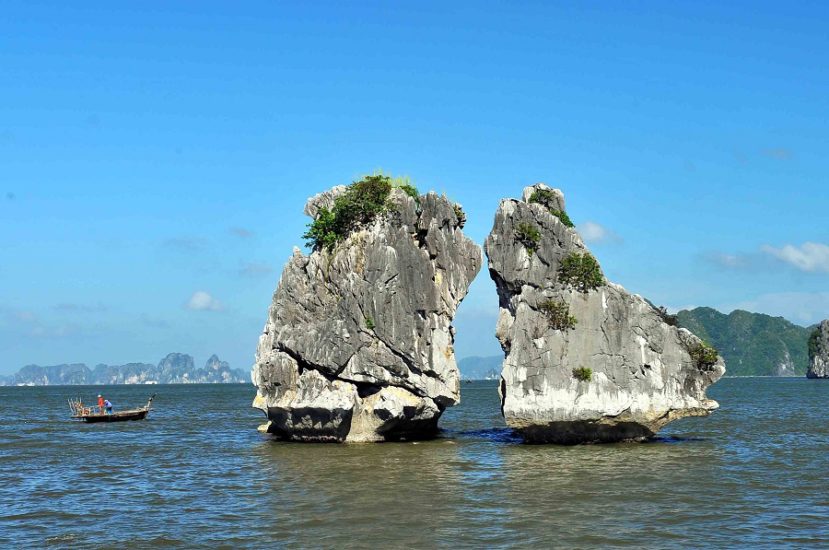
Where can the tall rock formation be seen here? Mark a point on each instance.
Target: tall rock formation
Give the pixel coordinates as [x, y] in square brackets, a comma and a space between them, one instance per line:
[358, 342]
[819, 352]
[586, 361]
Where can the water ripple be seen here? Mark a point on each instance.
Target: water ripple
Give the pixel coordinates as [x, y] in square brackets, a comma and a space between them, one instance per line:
[197, 474]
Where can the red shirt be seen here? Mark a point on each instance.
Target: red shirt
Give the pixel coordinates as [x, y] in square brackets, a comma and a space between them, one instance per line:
[101, 402]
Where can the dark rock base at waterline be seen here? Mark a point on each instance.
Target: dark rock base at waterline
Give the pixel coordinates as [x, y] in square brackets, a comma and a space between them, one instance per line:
[585, 432]
[314, 425]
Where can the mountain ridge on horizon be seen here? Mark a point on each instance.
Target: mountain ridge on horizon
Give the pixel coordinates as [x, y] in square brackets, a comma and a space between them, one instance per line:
[174, 368]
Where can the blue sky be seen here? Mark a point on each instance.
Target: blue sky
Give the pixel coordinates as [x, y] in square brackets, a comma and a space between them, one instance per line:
[155, 157]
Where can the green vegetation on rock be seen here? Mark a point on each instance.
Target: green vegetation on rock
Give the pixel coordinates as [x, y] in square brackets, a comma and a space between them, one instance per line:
[704, 355]
[529, 236]
[369, 323]
[752, 344]
[558, 314]
[460, 214]
[548, 199]
[581, 271]
[813, 343]
[583, 374]
[361, 203]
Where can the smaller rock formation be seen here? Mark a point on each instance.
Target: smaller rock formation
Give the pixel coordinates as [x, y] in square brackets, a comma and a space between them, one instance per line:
[819, 352]
[358, 341]
[586, 361]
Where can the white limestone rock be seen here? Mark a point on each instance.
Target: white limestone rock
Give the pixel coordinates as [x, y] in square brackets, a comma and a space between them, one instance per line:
[358, 345]
[643, 375]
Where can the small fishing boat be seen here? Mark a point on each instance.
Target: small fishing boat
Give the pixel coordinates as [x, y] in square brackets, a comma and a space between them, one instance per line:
[89, 413]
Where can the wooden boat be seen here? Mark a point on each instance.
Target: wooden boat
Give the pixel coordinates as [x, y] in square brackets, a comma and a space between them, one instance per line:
[95, 414]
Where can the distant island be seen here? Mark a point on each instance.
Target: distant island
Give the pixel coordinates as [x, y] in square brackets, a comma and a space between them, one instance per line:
[175, 368]
[752, 344]
[481, 368]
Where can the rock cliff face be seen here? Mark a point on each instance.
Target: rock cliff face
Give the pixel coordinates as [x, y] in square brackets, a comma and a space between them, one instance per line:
[819, 352]
[358, 342]
[586, 361]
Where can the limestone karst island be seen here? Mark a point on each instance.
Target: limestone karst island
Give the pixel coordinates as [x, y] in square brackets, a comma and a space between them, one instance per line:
[358, 345]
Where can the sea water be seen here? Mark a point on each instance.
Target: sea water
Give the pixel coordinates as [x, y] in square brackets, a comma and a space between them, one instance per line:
[197, 473]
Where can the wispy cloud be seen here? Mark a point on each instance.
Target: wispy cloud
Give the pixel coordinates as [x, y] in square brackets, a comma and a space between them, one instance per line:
[595, 233]
[24, 316]
[59, 331]
[729, 261]
[27, 324]
[241, 232]
[778, 153]
[254, 269]
[80, 308]
[809, 257]
[203, 301]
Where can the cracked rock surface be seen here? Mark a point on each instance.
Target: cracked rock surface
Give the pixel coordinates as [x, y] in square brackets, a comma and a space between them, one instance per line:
[642, 375]
[819, 352]
[358, 342]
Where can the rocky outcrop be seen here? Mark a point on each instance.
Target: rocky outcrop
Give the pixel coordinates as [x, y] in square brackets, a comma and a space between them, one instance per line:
[358, 345]
[819, 352]
[586, 361]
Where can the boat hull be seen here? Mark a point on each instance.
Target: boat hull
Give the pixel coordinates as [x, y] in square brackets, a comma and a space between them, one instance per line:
[123, 416]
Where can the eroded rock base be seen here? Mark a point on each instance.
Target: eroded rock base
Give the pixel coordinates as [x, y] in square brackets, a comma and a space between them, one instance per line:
[585, 432]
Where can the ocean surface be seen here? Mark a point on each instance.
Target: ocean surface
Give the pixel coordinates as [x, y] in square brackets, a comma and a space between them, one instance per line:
[197, 473]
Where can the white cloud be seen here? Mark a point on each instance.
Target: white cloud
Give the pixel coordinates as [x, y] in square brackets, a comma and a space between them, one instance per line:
[593, 232]
[811, 257]
[202, 301]
[803, 308]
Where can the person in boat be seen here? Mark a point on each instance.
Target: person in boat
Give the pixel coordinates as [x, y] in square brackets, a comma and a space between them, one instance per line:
[108, 406]
[100, 403]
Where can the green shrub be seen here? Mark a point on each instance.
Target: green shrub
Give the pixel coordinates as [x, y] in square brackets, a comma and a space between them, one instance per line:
[322, 232]
[562, 215]
[548, 200]
[558, 314]
[460, 214]
[544, 197]
[581, 271]
[358, 206]
[369, 323]
[529, 236]
[583, 374]
[813, 343]
[410, 190]
[704, 355]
